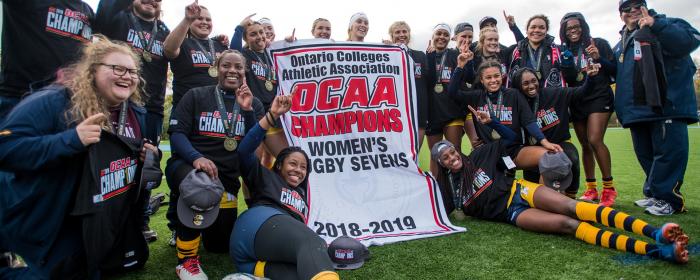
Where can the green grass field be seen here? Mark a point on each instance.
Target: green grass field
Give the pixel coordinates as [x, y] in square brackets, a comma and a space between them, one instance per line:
[500, 251]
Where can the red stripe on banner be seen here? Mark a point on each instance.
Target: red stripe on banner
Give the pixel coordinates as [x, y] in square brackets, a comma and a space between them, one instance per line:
[116, 192]
[408, 107]
[432, 204]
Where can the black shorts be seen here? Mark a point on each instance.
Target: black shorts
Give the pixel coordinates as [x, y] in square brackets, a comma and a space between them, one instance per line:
[601, 103]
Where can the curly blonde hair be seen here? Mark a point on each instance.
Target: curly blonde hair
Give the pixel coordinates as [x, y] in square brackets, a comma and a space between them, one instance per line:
[79, 78]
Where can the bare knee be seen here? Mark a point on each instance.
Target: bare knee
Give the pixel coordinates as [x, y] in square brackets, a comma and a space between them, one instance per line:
[569, 225]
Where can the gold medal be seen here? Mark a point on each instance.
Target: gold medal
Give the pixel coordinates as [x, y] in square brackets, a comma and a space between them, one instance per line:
[146, 56]
[532, 140]
[230, 144]
[439, 88]
[268, 85]
[539, 75]
[213, 72]
[495, 135]
[579, 77]
[622, 57]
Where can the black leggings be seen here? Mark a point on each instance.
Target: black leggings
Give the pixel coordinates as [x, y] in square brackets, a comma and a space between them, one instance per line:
[572, 153]
[214, 238]
[291, 250]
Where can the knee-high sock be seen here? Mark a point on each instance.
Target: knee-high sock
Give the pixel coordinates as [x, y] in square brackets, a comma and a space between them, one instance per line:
[189, 248]
[612, 218]
[608, 239]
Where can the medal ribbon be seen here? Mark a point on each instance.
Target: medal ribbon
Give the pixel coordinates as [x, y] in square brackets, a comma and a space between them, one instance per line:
[211, 54]
[224, 115]
[147, 44]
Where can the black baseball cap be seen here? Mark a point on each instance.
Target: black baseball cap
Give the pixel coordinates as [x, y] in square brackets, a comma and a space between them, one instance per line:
[347, 253]
[624, 3]
[151, 175]
[485, 20]
[555, 169]
[200, 196]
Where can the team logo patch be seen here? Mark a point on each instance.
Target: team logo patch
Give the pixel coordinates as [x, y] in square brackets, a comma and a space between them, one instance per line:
[197, 220]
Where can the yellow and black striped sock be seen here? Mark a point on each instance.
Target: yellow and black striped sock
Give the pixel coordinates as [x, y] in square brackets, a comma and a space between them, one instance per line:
[608, 239]
[326, 275]
[591, 183]
[612, 218]
[608, 183]
[189, 248]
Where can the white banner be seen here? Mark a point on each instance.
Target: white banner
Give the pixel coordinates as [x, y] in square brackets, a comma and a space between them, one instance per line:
[354, 113]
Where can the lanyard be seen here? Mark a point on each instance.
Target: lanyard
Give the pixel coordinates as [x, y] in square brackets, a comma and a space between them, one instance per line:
[536, 104]
[456, 189]
[269, 75]
[499, 103]
[440, 66]
[535, 59]
[147, 44]
[122, 118]
[210, 55]
[224, 115]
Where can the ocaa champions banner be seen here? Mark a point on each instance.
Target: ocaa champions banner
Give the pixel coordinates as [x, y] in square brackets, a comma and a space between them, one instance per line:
[353, 112]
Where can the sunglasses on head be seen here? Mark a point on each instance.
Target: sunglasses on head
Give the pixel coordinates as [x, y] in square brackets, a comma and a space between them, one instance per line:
[632, 6]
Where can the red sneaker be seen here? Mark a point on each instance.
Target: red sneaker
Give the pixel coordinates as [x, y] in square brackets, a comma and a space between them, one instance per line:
[671, 232]
[607, 199]
[590, 195]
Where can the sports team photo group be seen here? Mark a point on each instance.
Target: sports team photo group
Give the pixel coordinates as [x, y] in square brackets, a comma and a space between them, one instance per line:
[137, 141]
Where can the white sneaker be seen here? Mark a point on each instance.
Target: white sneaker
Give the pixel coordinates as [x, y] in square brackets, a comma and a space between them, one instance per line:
[660, 208]
[243, 276]
[190, 270]
[173, 239]
[646, 202]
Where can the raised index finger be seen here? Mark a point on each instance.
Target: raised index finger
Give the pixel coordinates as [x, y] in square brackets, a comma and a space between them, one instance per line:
[95, 119]
[505, 15]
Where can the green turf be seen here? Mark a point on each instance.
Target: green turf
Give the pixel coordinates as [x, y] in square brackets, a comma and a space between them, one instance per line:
[499, 251]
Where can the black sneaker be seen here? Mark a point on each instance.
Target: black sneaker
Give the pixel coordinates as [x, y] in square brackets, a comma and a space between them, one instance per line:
[149, 235]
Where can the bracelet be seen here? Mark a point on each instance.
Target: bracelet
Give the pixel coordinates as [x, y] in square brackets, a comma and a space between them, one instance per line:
[270, 119]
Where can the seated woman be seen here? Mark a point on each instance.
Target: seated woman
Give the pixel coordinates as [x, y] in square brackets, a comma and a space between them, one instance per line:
[551, 108]
[485, 192]
[270, 239]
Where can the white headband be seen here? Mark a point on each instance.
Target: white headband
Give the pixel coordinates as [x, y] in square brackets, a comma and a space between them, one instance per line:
[354, 17]
[443, 26]
[265, 21]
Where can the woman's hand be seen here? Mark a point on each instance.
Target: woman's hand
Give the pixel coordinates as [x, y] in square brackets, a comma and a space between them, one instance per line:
[593, 69]
[147, 146]
[244, 97]
[247, 20]
[465, 55]
[482, 116]
[207, 166]
[280, 105]
[551, 147]
[192, 11]
[89, 129]
[592, 50]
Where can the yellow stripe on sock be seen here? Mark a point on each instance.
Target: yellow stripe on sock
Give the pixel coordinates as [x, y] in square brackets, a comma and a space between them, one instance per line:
[586, 232]
[605, 239]
[640, 247]
[620, 220]
[586, 211]
[604, 216]
[326, 275]
[638, 226]
[621, 243]
[259, 269]
[188, 248]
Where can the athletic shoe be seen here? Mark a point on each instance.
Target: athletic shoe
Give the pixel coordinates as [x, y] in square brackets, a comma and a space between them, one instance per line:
[645, 202]
[660, 208]
[607, 199]
[243, 276]
[591, 195]
[149, 235]
[190, 269]
[173, 240]
[675, 252]
[669, 233]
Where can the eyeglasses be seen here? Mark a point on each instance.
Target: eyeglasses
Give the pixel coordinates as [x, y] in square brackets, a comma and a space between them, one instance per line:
[121, 70]
[632, 6]
[572, 28]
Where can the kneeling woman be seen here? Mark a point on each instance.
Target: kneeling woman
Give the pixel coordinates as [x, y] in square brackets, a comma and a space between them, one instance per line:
[270, 239]
[530, 206]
